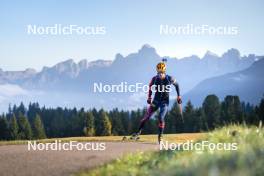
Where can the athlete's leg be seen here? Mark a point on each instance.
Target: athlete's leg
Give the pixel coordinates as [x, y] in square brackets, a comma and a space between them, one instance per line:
[151, 109]
[162, 114]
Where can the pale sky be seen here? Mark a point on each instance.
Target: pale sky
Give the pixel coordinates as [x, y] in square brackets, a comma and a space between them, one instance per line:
[129, 25]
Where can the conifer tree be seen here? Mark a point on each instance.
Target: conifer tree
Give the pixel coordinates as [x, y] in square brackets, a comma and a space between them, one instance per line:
[38, 128]
[13, 128]
[25, 131]
[106, 125]
[89, 126]
[211, 109]
[3, 128]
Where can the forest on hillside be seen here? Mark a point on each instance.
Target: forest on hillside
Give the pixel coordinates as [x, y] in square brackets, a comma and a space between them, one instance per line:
[35, 122]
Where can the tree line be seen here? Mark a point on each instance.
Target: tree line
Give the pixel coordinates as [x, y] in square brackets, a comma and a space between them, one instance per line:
[35, 122]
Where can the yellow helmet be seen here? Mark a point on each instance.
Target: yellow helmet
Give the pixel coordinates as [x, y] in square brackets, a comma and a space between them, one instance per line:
[161, 67]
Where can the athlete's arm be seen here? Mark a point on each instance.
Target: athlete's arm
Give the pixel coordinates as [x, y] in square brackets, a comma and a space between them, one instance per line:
[150, 91]
[177, 87]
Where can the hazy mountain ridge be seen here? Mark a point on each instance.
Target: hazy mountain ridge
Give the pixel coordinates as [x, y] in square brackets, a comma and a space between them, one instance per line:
[248, 84]
[72, 82]
[136, 67]
[6, 76]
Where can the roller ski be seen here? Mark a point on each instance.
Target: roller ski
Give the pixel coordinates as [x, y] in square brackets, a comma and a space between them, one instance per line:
[133, 137]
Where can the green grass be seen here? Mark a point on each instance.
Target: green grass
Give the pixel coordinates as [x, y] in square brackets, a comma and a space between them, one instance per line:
[143, 138]
[248, 160]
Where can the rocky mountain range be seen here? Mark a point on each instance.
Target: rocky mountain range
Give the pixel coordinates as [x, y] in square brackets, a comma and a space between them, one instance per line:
[71, 84]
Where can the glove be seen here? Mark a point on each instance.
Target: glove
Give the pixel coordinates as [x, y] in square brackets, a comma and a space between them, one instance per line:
[179, 100]
[149, 100]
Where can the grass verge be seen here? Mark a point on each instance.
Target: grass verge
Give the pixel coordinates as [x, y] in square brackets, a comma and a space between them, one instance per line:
[247, 160]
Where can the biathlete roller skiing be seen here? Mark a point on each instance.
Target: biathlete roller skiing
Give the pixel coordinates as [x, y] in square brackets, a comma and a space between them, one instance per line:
[161, 84]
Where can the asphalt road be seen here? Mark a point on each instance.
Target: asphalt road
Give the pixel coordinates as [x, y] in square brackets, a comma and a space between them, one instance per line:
[18, 160]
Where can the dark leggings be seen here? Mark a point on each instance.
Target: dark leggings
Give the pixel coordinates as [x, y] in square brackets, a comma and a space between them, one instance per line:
[150, 111]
